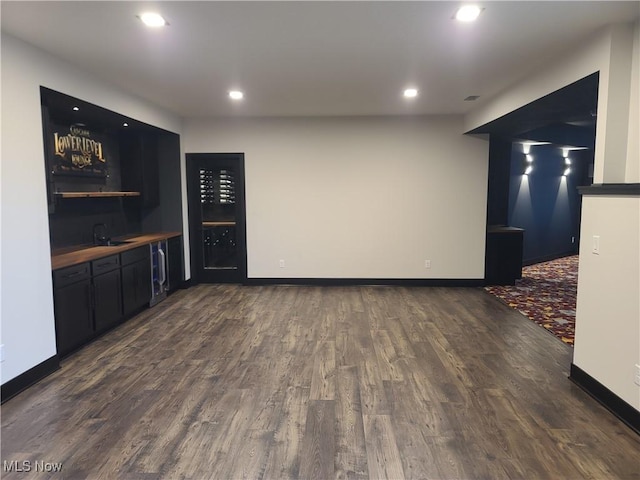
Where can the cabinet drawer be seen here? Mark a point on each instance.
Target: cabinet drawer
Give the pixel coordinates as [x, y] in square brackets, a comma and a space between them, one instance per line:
[67, 276]
[135, 255]
[105, 264]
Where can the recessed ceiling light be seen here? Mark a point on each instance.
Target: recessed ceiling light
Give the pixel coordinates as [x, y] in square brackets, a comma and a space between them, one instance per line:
[236, 95]
[125, 124]
[75, 109]
[468, 13]
[151, 19]
[410, 93]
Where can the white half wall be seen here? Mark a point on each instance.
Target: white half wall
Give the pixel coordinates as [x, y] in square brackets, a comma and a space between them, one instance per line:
[357, 197]
[607, 343]
[27, 322]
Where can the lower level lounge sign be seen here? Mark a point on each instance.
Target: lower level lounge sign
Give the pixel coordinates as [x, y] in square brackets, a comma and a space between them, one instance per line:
[78, 152]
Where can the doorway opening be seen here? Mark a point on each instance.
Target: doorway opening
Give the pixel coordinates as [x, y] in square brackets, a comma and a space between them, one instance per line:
[540, 155]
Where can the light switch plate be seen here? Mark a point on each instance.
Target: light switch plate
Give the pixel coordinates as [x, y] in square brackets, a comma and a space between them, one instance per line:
[595, 249]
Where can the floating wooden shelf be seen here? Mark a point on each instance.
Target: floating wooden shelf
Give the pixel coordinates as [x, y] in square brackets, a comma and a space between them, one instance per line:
[219, 224]
[96, 194]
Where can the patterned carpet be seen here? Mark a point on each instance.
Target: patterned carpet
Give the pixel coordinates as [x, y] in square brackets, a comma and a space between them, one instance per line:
[546, 294]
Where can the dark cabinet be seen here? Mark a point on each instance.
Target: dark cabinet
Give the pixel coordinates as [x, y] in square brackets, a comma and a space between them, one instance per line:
[107, 297]
[139, 167]
[215, 187]
[175, 262]
[107, 300]
[136, 279]
[87, 300]
[503, 260]
[73, 307]
[91, 297]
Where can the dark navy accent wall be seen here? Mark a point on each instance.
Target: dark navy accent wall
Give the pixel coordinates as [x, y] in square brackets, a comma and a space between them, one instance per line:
[498, 184]
[545, 203]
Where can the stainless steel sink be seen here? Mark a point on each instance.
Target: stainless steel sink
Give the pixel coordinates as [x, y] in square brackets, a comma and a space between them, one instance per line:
[115, 243]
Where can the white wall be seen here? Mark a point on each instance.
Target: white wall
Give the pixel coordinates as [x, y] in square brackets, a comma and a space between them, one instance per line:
[357, 197]
[27, 299]
[607, 343]
[608, 52]
[593, 55]
[633, 148]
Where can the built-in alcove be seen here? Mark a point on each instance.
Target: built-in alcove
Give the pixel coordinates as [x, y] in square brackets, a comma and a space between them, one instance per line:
[105, 168]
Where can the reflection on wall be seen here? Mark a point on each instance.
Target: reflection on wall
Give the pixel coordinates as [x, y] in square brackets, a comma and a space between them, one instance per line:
[545, 202]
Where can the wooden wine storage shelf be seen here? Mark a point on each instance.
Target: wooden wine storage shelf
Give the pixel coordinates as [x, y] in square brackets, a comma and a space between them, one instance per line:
[219, 224]
[96, 194]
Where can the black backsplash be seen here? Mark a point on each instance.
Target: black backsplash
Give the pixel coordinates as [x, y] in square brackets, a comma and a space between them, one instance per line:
[74, 218]
[71, 220]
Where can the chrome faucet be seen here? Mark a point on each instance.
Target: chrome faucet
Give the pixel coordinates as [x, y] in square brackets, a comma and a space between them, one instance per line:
[100, 234]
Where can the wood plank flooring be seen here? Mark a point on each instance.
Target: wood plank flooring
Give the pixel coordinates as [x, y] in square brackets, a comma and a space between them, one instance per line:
[284, 382]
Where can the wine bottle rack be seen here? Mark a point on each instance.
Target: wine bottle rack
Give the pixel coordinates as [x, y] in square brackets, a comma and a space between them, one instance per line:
[217, 187]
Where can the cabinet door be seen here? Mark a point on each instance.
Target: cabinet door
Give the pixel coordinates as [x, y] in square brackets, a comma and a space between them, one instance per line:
[136, 286]
[73, 313]
[107, 299]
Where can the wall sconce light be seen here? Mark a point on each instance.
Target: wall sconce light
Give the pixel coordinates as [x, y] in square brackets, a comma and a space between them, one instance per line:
[526, 148]
[567, 171]
[528, 164]
[567, 161]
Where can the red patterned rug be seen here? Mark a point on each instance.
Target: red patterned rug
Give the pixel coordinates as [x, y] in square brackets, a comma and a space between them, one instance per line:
[546, 294]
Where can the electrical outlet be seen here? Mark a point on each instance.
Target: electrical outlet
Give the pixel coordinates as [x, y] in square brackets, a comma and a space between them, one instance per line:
[281, 263]
[636, 379]
[573, 239]
[427, 264]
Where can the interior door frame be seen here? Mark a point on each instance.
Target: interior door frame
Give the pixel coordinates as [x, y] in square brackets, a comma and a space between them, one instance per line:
[195, 161]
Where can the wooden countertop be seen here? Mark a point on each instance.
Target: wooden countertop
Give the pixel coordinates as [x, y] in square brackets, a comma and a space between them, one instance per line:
[67, 257]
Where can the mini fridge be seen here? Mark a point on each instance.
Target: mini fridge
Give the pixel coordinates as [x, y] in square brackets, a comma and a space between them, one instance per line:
[159, 282]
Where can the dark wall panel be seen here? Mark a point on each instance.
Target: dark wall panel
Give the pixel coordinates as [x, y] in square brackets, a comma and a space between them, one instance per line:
[498, 186]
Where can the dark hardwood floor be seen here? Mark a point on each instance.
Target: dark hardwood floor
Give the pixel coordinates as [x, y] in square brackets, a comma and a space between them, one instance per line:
[279, 382]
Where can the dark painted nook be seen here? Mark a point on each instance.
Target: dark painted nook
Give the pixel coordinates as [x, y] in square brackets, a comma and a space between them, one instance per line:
[132, 182]
[115, 217]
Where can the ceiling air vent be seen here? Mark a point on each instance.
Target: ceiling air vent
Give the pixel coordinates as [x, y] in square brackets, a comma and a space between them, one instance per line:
[472, 98]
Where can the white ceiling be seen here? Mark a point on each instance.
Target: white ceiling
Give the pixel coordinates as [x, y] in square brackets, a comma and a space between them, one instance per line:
[310, 58]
